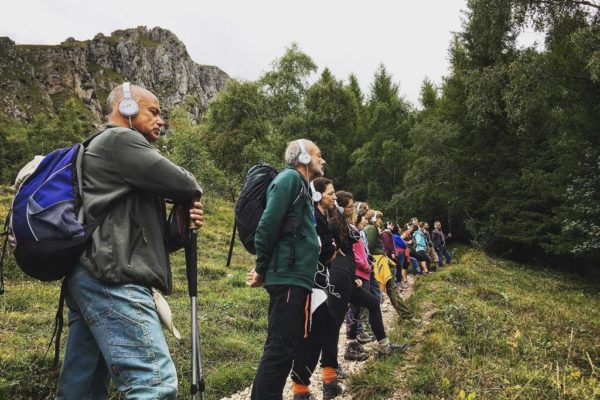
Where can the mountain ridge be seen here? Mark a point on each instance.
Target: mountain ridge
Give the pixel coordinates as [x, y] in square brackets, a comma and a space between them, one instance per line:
[40, 78]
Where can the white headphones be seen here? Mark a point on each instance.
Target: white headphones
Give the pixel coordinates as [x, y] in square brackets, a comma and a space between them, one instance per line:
[340, 209]
[316, 195]
[374, 218]
[304, 158]
[128, 107]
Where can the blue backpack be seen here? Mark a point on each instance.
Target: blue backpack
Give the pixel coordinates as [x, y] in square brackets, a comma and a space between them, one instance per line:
[47, 215]
[47, 222]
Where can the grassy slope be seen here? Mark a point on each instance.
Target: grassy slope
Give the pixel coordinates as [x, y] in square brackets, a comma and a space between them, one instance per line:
[499, 330]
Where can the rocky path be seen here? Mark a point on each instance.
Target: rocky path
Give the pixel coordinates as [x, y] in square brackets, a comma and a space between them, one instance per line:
[350, 367]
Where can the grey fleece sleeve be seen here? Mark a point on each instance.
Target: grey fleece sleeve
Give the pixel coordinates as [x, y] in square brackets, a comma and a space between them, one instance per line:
[141, 166]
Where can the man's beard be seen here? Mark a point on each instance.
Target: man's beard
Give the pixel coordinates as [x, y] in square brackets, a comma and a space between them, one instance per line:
[319, 172]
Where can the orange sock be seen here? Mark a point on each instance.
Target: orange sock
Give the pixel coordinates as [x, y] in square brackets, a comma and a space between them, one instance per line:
[299, 388]
[329, 374]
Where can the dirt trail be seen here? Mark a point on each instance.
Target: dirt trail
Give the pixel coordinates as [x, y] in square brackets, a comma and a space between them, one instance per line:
[350, 367]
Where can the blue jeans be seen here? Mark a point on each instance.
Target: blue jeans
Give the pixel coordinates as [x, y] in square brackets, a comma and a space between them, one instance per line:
[444, 252]
[415, 264]
[114, 333]
[399, 267]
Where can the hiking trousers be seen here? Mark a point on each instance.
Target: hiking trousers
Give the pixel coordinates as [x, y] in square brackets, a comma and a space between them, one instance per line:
[114, 333]
[288, 322]
[322, 337]
[350, 294]
[443, 253]
[397, 302]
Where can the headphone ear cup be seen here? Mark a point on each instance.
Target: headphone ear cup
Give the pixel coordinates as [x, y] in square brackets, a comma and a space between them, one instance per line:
[339, 208]
[304, 158]
[129, 108]
[373, 218]
[317, 196]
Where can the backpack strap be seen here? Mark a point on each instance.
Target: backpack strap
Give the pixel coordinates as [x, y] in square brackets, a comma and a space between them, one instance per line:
[58, 326]
[292, 257]
[231, 242]
[5, 234]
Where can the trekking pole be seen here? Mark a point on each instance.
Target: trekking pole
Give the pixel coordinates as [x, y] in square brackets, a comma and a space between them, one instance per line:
[191, 267]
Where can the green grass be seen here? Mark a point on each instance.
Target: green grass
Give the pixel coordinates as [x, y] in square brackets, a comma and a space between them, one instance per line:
[232, 319]
[497, 330]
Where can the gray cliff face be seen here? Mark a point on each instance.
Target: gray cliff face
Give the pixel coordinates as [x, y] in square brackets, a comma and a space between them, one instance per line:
[36, 79]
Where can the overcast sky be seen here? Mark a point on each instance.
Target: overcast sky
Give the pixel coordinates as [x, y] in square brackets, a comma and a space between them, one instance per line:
[243, 37]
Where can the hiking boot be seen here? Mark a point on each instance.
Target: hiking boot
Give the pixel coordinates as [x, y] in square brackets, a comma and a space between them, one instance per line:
[304, 396]
[392, 348]
[341, 375]
[355, 352]
[365, 338]
[331, 390]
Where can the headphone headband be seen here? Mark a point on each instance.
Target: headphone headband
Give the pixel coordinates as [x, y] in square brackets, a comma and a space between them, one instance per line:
[126, 90]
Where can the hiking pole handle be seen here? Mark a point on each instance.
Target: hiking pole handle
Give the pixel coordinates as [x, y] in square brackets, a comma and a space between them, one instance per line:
[191, 253]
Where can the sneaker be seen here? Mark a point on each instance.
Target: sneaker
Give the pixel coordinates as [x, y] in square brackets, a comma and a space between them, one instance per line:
[341, 375]
[392, 348]
[304, 396]
[331, 390]
[365, 338]
[355, 352]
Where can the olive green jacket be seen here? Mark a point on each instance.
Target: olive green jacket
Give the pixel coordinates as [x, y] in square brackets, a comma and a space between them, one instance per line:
[375, 243]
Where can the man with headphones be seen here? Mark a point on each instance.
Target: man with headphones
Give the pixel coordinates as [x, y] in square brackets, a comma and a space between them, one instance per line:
[114, 329]
[287, 250]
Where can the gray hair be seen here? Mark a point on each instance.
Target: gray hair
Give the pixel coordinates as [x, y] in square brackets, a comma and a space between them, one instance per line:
[292, 152]
[116, 95]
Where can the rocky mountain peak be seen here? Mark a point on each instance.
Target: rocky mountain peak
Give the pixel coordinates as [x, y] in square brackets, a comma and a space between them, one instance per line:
[40, 78]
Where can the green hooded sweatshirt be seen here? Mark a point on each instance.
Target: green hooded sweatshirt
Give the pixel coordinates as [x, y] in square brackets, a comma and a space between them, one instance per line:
[288, 205]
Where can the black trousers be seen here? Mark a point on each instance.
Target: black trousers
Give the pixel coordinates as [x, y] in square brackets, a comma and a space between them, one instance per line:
[360, 297]
[323, 337]
[287, 324]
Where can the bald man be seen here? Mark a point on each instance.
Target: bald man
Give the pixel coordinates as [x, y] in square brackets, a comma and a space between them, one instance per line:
[114, 329]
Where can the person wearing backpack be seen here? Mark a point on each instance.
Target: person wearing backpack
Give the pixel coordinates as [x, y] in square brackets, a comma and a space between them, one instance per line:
[287, 251]
[114, 329]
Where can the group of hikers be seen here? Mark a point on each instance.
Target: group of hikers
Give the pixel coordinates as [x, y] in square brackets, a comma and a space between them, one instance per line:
[323, 257]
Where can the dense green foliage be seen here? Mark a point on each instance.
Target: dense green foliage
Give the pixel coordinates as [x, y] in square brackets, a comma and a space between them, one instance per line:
[505, 150]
